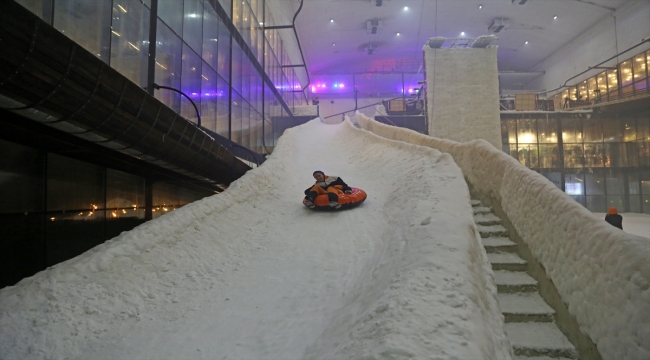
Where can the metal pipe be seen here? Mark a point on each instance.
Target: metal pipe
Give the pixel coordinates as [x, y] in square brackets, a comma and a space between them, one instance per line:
[198, 114]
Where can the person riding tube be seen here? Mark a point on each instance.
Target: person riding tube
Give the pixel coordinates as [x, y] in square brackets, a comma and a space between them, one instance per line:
[329, 185]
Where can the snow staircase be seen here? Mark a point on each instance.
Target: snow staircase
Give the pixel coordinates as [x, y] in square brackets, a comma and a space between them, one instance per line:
[530, 321]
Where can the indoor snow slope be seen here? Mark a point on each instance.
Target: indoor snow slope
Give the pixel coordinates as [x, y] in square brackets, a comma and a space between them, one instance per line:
[253, 274]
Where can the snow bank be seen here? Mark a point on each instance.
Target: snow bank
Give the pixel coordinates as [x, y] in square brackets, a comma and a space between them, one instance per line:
[251, 273]
[602, 273]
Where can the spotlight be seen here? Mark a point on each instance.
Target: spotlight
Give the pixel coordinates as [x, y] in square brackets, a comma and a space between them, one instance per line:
[406, 8]
[526, 43]
[555, 17]
[397, 34]
[331, 20]
[462, 33]
[480, 7]
[333, 44]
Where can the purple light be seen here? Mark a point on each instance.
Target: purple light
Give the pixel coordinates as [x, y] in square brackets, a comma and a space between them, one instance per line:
[313, 88]
[341, 85]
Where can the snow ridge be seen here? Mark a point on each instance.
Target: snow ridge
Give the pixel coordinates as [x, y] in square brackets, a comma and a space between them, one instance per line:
[602, 273]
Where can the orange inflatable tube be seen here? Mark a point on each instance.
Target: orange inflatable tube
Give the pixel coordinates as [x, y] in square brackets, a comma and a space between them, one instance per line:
[347, 201]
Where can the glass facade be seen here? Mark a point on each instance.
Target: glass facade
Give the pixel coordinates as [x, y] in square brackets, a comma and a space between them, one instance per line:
[197, 51]
[629, 78]
[600, 159]
[55, 207]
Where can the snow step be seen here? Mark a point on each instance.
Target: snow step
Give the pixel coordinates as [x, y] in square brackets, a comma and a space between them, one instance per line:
[514, 281]
[526, 307]
[482, 210]
[539, 339]
[475, 203]
[507, 261]
[487, 219]
[499, 244]
[492, 230]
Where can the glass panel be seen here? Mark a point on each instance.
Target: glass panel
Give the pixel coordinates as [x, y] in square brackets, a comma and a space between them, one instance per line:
[626, 73]
[594, 155]
[528, 155]
[21, 178]
[166, 197]
[582, 91]
[191, 84]
[209, 98]
[124, 192]
[592, 87]
[616, 155]
[193, 24]
[573, 155]
[612, 129]
[601, 80]
[549, 157]
[74, 185]
[169, 11]
[555, 178]
[236, 117]
[596, 203]
[245, 125]
[41, 8]
[629, 132]
[130, 40]
[224, 52]
[571, 130]
[547, 130]
[595, 184]
[573, 93]
[210, 37]
[612, 80]
[236, 67]
[168, 66]
[87, 23]
[222, 107]
[640, 72]
[526, 131]
[574, 184]
[593, 130]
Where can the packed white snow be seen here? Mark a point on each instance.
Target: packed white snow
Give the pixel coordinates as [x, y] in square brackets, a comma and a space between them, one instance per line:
[633, 223]
[253, 274]
[601, 272]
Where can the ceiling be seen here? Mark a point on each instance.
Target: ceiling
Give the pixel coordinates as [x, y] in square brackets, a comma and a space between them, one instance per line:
[341, 46]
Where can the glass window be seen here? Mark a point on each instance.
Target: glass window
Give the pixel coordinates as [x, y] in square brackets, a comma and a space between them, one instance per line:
[629, 132]
[554, 177]
[209, 98]
[601, 80]
[591, 84]
[222, 107]
[74, 185]
[21, 176]
[582, 91]
[224, 52]
[169, 11]
[640, 72]
[130, 40]
[41, 8]
[612, 129]
[193, 24]
[626, 73]
[87, 23]
[124, 195]
[572, 130]
[573, 93]
[574, 184]
[245, 125]
[236, 67]
[236, 117]
[210, 37]
[595, 184]
[593, 130]
[594, 155]
[528, 155]
[547, 130]
[612, 80]
[615, 155]
[573, 155]
[596, 203]
[168, 66]
[166, 197]
[549, 157]
[191, 83]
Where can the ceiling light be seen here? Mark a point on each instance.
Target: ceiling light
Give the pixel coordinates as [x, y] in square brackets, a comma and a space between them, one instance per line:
[526, 43]
[480, 7]
[333, 44]
[397, 34]
[406, 8]
[462, 33]
[331, 20]
[555, 17]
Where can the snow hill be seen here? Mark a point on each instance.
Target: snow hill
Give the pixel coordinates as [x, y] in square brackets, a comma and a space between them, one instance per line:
[252, 274]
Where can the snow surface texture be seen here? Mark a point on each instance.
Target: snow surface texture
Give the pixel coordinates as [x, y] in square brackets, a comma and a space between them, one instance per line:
[602, 273]
[253, 274]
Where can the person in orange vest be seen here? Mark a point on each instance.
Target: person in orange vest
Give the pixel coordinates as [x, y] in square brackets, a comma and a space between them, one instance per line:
[614, 218]
[330, 185]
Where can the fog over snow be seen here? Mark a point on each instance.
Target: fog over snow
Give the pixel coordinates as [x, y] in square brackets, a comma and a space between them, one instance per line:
[253, 274]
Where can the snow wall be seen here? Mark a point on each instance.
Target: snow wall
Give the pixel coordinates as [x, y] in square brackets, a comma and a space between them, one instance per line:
[602, 273]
